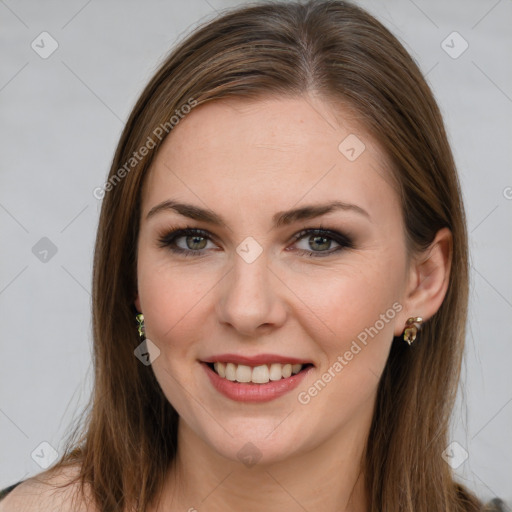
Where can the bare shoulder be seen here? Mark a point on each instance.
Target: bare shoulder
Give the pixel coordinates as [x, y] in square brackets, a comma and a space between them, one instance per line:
[37, 495]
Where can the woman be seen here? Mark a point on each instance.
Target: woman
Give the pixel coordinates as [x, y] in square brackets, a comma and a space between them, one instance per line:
[294, 256]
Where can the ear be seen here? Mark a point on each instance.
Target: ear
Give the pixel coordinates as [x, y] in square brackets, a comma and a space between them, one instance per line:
[429, 276]
[137, 303]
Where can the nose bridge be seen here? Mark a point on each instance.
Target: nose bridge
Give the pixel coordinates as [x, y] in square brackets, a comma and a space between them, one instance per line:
[248, 297]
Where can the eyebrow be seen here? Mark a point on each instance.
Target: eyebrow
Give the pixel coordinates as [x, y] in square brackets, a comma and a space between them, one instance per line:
[283, 218]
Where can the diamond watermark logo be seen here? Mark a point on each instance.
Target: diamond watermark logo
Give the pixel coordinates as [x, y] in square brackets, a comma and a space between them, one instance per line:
[249, 454]
[454, 45]
[351, 147]
[147, 352]
[44, 250]
[249, 250]
[44, 45]
[454, 455]
[44, 455]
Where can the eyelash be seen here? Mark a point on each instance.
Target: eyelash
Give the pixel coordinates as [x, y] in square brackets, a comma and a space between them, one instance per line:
[167, 240]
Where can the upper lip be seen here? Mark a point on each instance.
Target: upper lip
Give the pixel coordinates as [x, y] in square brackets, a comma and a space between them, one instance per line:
[255, 360]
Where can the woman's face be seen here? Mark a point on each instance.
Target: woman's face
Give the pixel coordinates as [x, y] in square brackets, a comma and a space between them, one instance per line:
[244, 287]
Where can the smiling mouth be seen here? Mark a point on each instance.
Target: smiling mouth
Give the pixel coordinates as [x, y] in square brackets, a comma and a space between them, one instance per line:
[261, 374]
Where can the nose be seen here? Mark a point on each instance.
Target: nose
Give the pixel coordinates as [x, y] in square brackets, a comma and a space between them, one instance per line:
[250, 298]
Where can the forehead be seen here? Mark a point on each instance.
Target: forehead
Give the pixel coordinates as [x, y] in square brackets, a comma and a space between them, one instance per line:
[272, 152]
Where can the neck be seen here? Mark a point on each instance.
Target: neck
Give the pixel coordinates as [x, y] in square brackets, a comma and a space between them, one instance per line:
[328, 477]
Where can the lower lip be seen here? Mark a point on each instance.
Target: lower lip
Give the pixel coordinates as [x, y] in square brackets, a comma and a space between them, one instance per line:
[249, 392]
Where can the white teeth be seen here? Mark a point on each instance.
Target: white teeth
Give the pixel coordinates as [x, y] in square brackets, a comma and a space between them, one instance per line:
[275, 371]
[260, 374]
[243, 373]
[220, 368]
[231, 371]
[257, 374]
[296, 368]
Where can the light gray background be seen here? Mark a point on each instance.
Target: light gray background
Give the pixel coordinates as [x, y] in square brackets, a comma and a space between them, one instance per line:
[61, 118]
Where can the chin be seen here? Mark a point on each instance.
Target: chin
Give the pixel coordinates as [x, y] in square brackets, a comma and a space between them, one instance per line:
[250, 453]
[258, 441]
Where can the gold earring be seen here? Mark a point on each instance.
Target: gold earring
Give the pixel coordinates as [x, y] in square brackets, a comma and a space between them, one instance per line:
[411, 328]
[141, 328]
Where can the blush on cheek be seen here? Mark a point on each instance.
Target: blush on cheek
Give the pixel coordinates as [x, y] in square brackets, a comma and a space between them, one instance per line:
[364, 332]
[165, 301]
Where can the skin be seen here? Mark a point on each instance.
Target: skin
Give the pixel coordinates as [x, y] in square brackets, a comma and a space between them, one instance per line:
[247, 160]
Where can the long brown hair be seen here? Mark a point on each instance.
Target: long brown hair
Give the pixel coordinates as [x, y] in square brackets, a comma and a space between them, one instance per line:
[343, 54]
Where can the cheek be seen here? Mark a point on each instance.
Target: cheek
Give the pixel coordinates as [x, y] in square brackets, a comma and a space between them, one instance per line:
[353, 329]
[169, 299]
[164, 288]
[172, 301]
[348, 302]
[354, 336]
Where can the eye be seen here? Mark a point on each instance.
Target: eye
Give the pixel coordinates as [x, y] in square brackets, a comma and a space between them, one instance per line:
[321, 241]
[193, 241]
